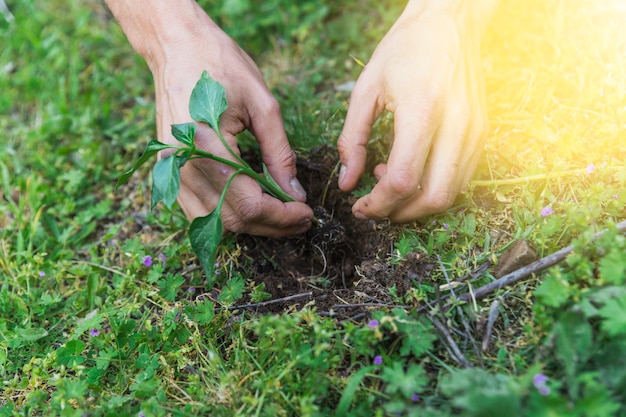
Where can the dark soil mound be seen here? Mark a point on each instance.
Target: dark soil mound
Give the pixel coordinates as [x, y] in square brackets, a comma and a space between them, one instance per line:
[342, 265]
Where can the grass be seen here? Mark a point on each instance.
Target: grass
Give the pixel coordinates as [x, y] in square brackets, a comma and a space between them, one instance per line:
[86, 328]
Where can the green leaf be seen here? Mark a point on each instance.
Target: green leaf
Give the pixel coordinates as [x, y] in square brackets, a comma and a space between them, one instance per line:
[479, 393]
[554, 291]
[613, 267]
[69, 355]
[407, 383]
[184, 133]
[233, 290]
[614, 316]
[204, 312]
[30, 334]
[73, 388]
[205, 234]
[574, 341]
[169, 285]
[165, 181]
[154, 146]
[208, 101]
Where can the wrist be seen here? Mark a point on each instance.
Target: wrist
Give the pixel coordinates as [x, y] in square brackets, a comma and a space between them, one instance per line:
[156, 29]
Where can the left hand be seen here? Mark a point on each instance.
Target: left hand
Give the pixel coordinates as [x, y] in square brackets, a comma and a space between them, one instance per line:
[427, 71]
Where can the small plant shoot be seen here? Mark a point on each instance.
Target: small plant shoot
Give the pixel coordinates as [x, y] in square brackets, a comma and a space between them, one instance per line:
[206, 105]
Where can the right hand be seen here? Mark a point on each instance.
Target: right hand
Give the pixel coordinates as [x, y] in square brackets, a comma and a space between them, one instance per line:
[246, 209]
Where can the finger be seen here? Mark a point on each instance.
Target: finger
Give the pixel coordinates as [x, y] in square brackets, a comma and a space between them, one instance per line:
[414, 128]
[264, 215]
[194, 206]
[364, 108]
[280, 159]
[456, 149]
[246, 209]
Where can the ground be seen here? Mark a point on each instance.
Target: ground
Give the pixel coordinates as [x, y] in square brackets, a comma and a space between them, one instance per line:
[344, 263]
[105, 311]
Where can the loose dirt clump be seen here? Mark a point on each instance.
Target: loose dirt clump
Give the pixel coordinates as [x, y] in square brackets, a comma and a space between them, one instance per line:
[341, 265]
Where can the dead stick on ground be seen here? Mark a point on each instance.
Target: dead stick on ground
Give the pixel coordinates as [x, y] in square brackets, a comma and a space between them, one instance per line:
[269, 302]
[532, 268]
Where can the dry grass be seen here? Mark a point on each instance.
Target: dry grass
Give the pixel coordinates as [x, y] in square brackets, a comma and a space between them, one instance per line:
[556, 75]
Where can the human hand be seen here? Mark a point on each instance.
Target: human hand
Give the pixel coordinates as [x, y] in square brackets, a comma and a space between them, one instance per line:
[179, 41]
[427, 71]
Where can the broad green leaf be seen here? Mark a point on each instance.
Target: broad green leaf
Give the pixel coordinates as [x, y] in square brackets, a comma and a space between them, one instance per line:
[75, 346]
[208, 101]
[165, 181]
[184, 133]
[205, 234]
[153, 147]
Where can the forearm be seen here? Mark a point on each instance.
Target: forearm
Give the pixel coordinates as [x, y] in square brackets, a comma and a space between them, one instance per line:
[155, 27]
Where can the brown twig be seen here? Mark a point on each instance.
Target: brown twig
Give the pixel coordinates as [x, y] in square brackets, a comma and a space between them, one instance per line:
[450, 344]
[369, 305]
[540, 265]
[270, 302]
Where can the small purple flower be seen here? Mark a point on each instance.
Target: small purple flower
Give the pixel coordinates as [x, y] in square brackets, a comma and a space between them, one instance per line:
[141, 414]
[539, 380]
[591, 168]
[94, 332]
[162, 258]
[378, 360]
[42, 274]
[147, 261]
[615, 196]
[415, 397]
[445, 225]
[546, 211]
[192, 289]
[373, 323]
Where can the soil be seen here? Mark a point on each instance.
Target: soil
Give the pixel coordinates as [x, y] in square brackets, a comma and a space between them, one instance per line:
[342, 266]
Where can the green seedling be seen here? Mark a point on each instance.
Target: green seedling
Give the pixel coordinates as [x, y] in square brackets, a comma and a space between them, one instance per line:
[206, 105]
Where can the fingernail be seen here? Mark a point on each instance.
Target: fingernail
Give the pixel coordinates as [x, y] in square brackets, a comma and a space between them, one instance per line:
[306, 225]
[360, 215]
[342, 173]
[297, 188]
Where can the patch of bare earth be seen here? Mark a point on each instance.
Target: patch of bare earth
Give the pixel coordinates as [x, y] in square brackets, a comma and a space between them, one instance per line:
[342, 266]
